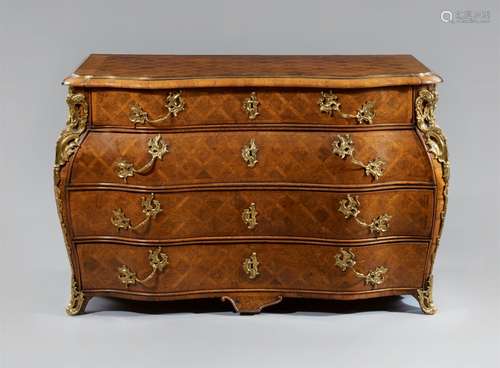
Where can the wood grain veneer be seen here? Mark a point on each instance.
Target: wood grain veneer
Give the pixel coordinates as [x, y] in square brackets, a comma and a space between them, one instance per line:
[325, 226]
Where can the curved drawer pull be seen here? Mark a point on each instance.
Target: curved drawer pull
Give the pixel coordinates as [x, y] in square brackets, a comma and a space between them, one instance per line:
[343, 147]
[346, 259]
[349, 207]
[329, 103]
[249, 153]
[249, 216]
[157, 260]
[156, 148]
[150, 207]
[174, 104]
[251, 266]
[251, 106]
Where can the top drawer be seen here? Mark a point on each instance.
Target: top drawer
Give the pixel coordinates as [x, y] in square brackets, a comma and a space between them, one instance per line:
[191, 107]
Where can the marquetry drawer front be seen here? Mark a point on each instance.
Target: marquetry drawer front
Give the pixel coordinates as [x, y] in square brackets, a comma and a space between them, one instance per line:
[231, 157]
[285, 213]
[193, 268]
[177, 108]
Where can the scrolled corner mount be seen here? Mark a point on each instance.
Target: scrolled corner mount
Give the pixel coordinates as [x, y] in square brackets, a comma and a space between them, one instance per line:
[424, 297]
[76, 124]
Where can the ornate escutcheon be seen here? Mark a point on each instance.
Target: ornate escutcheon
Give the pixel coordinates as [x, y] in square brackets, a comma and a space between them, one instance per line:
[329, 103]
[349, 207]
[347, 260]
[251, 106]
[156, 148]
[157, 260]
[251, 266]
[249, 216]
[249, 153]
[150, 207]
[343, 147]
[174, 103]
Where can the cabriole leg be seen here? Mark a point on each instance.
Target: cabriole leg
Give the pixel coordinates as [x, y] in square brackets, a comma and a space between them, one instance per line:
[78, 301]
[424, 297]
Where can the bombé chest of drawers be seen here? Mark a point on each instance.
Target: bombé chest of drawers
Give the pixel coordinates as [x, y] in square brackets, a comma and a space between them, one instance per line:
[251, 178]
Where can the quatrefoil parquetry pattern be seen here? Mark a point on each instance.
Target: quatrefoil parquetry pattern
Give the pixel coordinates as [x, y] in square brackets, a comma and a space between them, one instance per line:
[209, 157]
[199, 214]
[219, 267]
[310, 203]
[224, 106]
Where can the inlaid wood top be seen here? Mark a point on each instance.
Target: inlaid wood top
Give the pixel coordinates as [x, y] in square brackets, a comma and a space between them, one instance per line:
[168, 71]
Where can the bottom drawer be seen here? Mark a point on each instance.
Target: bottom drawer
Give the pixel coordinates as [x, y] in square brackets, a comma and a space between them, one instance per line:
[214, 268]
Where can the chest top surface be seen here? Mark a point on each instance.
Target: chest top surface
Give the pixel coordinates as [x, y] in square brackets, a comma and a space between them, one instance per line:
[168, 71]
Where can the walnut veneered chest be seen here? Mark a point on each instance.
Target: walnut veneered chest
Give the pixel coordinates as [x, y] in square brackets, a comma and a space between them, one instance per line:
[251, 178]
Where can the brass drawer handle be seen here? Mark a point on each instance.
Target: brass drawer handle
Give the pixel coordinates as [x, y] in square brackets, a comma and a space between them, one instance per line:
[349, 207]
[174, 103]
[249, 216]
[150, 207]
[251, 266]
[156, 148]
[249, 153]
[343, 147]
[157, 260]
[346, 259]
[329, 103]
[251, 106]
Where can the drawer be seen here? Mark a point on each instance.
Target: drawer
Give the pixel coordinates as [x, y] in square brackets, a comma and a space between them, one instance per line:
[210, 158]
[283, 213]
[307, 268]
[169, 109]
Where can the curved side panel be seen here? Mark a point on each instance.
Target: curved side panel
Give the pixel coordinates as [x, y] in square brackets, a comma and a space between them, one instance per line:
[436, 144]
[67, 144]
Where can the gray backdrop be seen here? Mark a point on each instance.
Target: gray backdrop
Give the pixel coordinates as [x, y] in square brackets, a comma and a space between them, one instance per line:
[43, 41]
